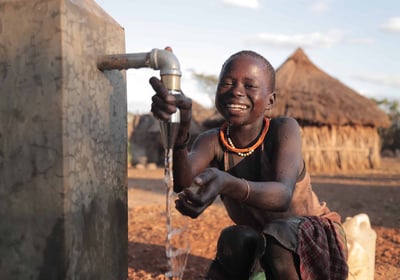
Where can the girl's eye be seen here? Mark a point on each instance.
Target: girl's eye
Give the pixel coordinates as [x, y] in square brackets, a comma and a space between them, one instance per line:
[250, 86]
[226, 84]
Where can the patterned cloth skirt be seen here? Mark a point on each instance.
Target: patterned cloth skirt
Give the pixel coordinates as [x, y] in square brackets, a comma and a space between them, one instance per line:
[319, 242]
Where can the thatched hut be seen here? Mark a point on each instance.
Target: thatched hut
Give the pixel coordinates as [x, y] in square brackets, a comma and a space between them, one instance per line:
[339, 126]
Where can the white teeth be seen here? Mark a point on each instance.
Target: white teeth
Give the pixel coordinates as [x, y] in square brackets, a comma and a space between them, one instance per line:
[236, 106]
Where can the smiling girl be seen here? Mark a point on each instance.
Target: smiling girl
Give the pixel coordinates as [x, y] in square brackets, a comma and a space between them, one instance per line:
[255, 165]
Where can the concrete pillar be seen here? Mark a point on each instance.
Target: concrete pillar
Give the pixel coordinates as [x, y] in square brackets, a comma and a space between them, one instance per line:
[63, 143]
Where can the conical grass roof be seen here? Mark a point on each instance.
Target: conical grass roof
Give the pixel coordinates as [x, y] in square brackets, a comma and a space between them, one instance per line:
[311, 96]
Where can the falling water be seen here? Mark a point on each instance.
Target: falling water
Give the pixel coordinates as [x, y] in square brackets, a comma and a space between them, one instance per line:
[177, 243]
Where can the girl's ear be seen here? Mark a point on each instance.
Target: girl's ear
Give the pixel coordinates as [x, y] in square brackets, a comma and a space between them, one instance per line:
[269, 104]
[270, 101]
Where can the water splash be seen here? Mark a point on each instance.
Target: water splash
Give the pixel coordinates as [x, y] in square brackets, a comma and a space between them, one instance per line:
[177, 246]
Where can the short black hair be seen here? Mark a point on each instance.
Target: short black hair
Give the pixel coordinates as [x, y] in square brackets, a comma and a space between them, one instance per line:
[254, 54]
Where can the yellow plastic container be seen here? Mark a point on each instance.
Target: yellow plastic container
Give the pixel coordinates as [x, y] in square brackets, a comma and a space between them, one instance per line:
[361, 240]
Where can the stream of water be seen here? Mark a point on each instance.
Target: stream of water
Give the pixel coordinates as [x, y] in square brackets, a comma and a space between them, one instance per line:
[177, 246]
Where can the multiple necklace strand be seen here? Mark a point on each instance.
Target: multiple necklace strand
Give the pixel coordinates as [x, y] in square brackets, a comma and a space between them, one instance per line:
[243, 152]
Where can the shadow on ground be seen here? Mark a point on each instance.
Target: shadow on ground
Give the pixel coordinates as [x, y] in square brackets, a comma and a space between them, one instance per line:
[146, 253]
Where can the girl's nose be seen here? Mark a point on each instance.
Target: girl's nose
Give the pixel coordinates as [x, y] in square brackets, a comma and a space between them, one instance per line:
[238, 90]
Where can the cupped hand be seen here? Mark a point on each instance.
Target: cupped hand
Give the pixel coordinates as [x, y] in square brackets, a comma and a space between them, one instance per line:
[193, 203]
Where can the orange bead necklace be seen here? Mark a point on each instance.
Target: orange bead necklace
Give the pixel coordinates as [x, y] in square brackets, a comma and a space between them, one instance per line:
[243, 152]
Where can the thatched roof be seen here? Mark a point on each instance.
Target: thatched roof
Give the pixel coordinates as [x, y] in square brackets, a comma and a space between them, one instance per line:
[311, 96]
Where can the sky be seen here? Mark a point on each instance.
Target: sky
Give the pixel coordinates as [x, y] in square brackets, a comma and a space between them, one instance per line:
[354, 41]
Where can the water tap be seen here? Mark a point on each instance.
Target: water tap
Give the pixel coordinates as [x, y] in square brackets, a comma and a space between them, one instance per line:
[170, 73]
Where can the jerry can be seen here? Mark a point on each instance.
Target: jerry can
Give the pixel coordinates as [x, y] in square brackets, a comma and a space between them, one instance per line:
[361, 239]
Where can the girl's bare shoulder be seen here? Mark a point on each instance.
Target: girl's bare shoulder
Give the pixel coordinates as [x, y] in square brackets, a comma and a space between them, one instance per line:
[207, 145]
[283, 124]
[282, 129]
[208, 138]
[284, 120]
[210, 132]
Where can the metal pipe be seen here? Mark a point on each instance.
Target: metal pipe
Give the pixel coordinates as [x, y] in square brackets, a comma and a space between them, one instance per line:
[157, 59]
[170, 73]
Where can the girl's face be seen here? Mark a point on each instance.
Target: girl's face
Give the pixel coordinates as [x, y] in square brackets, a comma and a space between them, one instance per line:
[243, 92]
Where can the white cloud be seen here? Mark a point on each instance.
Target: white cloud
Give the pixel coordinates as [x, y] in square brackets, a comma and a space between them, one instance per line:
[392, 25]
[314, 39]
[361, 41]
[320, 6]
[253, 4]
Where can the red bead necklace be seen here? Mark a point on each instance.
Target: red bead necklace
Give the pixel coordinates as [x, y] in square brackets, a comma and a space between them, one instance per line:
[243, 152]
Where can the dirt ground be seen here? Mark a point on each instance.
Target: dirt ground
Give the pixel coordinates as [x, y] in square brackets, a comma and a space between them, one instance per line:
[375, 193]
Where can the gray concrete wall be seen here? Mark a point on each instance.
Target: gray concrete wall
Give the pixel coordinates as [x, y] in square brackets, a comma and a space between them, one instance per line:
[63, 186]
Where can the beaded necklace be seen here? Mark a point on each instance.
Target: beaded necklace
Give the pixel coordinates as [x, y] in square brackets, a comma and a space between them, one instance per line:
[243, 152]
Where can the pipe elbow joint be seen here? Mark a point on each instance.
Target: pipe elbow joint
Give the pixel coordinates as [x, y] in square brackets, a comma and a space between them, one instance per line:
[165, 61]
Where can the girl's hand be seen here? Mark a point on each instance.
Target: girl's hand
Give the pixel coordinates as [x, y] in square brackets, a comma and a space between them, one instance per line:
[165, 104]
[210, 184]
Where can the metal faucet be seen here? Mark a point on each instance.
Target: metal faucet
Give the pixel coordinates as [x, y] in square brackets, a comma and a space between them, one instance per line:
[170, 73]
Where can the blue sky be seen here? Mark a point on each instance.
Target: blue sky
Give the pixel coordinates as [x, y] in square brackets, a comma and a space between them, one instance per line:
[355, 41]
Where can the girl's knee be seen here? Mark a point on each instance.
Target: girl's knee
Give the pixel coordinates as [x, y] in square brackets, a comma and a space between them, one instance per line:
[279, 262]
[238, 249]
[240, 241]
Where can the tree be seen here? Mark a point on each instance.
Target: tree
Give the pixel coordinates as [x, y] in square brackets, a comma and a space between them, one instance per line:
[207, 82]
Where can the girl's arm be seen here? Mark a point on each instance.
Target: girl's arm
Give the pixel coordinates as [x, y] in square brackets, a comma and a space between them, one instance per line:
[187, 165]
